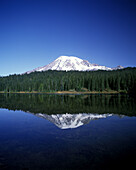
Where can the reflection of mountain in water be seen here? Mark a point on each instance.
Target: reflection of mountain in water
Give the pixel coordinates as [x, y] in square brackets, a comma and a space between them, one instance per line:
[55, 108]
[66, 121]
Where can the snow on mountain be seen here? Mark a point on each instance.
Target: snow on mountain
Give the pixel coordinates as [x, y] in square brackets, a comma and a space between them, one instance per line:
[66, 121]
[68, 63]
[118, 67]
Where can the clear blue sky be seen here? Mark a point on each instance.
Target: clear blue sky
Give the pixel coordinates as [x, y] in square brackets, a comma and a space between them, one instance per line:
[33, 33]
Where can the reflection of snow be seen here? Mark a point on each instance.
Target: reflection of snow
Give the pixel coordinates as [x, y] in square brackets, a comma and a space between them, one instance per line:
[66, 121]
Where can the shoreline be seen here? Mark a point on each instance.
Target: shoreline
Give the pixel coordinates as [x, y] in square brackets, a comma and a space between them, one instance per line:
[63, 92]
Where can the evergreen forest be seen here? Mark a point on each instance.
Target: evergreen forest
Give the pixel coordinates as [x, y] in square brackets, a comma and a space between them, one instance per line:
[123, 80]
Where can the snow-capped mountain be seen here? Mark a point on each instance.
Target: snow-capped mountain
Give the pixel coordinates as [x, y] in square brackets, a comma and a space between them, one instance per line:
[118, 67]
[66, 121]
[68, 63]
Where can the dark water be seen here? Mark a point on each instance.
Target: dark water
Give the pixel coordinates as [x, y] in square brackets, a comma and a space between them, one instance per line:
[67, 131]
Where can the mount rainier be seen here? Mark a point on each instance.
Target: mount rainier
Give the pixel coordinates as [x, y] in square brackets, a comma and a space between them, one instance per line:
[68, 63]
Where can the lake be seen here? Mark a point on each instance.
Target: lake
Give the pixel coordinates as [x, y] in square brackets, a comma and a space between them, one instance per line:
[67, 132]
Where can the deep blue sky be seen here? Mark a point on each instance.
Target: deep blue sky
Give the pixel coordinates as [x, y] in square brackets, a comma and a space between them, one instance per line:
[33, 33]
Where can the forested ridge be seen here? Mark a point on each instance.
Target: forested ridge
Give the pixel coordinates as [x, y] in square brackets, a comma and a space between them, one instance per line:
[123, 80]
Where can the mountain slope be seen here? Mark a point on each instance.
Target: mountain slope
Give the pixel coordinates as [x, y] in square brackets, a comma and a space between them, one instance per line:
[68, 63]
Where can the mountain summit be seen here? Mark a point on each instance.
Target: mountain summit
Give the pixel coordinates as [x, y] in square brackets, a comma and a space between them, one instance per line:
[68, 63]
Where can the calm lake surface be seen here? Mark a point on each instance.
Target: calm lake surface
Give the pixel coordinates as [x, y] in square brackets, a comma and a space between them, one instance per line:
[71, 132]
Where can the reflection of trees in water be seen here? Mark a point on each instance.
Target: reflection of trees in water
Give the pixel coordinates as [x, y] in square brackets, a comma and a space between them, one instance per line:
[52, 104]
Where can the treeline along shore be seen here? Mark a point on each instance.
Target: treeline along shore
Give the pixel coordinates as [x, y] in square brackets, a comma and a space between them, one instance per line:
[118, 81]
